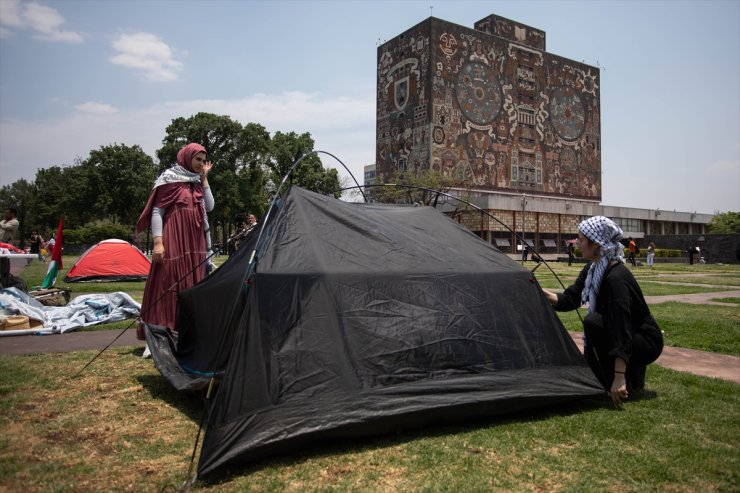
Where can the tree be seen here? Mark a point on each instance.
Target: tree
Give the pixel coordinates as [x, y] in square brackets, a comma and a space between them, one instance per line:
[725, 223]
[428, 182]
[252, 170]
[121, 178]
[60, 191]
[286, 149]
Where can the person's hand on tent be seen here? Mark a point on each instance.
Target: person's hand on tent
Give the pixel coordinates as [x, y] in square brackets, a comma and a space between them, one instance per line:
[618, 390]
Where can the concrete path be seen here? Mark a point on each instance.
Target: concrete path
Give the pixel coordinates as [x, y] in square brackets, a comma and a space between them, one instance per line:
[698, 362]
[64, 343]
[696, 298]
[702, 363]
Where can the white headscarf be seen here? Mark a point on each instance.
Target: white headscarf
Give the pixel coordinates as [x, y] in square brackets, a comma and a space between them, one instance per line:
[606, 234]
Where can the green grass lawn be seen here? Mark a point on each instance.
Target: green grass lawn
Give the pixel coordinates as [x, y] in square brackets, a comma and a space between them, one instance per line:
[119, 426]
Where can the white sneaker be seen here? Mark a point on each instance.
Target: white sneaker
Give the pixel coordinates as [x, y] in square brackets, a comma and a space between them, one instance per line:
[147, 354]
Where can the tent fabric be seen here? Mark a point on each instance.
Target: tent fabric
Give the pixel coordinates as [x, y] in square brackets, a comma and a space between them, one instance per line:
[109, 261]
[359, 319]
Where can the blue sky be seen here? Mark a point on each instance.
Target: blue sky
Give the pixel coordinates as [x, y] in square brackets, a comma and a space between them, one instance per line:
[76, 75]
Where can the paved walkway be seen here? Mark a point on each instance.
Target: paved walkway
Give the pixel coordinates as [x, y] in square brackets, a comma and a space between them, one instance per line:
[696, 298]
[702, 363]
[64, 343]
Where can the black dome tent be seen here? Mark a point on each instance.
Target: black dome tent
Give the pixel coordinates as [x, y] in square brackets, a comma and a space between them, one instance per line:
[355, 319]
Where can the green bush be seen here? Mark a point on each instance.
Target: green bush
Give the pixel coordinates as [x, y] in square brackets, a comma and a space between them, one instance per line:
[94, 233]
[666, 252]
[659, 252]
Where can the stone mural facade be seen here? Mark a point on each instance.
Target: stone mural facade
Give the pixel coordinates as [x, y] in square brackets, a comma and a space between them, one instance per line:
[489, 108]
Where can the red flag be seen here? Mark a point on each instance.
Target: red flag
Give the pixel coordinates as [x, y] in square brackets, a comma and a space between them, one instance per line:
[57, 253]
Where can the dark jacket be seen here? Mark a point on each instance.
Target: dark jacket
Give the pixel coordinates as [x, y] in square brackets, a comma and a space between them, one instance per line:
[622, 306]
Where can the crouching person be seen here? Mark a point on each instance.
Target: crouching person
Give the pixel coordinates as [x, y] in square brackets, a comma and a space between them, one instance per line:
[621, 335]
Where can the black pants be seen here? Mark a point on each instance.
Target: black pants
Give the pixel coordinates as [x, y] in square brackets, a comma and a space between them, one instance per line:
[646, 347]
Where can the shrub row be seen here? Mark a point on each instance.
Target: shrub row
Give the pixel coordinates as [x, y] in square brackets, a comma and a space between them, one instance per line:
[659, 252]
[90, 235]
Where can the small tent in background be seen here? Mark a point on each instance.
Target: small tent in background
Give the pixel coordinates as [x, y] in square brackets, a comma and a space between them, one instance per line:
[109, 261]
[357, 319]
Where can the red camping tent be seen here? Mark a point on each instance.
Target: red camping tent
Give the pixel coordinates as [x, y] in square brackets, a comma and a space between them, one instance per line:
[108, 261]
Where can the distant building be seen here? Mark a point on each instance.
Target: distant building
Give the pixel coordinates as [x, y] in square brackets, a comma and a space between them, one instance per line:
[369, 174]
[519, 130]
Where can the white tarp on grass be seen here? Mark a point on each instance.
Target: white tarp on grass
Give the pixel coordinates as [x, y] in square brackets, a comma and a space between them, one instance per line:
[82, 311]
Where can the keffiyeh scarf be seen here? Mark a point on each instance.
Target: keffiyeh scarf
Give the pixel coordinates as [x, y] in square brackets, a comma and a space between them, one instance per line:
[178, 174]
[605, 233]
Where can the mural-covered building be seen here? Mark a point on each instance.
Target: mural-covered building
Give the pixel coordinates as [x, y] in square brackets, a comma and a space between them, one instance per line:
[513, 126]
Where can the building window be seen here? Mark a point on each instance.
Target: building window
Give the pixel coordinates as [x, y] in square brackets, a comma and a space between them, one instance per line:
[629, 224]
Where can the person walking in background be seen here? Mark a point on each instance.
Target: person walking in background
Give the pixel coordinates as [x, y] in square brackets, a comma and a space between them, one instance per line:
[632, 250]
[650, 254]
[692, 250]
[50, 245]
[9, 226]
[37, 242]
[176, 211]
[621, 335]
[571, 253]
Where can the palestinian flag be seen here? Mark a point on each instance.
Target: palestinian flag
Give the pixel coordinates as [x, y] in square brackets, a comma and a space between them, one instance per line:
[56, 258]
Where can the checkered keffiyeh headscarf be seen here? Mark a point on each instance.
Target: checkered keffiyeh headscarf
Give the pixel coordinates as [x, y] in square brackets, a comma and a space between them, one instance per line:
[605, 233]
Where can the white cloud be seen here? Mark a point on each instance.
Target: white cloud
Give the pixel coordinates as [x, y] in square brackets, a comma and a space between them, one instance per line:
[10, 13]
[96, 108]
[342, 126]
[148, 54]
[46, 21]
[724, 168]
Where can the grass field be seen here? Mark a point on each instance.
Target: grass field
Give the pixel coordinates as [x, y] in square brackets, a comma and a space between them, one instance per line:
[119, 426]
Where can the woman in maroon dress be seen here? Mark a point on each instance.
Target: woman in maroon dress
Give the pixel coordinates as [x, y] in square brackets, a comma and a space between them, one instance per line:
[176, 211]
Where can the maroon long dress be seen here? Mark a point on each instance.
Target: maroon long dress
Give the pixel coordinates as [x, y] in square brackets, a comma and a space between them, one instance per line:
[184, 252]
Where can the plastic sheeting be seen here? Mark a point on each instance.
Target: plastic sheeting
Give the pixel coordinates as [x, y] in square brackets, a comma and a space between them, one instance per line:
[358, 319]
[82, 311]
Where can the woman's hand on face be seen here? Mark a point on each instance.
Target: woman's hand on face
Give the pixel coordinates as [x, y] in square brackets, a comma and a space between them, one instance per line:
[619, 389]
[158, 253]
[206, 168]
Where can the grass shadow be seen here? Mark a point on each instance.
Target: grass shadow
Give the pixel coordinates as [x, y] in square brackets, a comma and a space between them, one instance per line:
[329, 447]
[191, 404]
[642, 395]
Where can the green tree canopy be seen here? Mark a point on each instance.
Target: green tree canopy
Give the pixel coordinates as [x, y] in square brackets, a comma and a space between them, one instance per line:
[286, 149]
[425, 179]
[725, 223]
[119, 181]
